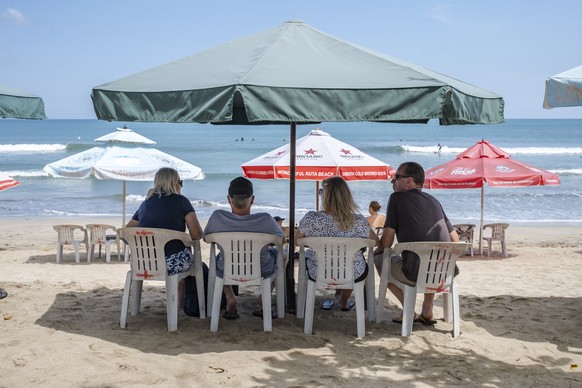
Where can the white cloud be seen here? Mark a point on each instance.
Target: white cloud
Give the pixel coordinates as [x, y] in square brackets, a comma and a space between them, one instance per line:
[13, 15]
[440, 12]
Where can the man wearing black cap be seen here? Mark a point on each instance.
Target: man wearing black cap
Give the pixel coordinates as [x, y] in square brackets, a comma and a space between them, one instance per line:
[239, 219]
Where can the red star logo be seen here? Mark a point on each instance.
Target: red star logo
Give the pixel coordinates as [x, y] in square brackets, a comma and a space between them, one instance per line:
[346, 152]
[279, 153]
[310, 151]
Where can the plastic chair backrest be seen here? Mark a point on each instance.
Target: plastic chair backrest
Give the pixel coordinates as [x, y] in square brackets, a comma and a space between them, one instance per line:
[437, 263]
[66, 233]
[148, 258]
[497, 231]
[241, 252]
[335, 259]
[98, 232]
[465, 231]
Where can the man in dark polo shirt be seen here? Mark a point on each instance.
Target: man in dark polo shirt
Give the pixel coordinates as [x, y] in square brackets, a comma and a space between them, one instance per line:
[412, 215]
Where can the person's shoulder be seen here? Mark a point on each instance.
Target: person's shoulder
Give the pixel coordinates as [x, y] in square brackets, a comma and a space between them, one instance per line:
[360, 217]
[218, 213]
[262, 215]
[312, 214]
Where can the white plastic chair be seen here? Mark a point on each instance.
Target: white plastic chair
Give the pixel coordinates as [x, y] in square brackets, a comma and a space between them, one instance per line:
[435, 275]
[497, 234]
[97, 235]
[466, 232]
[370, 281]
[70, 235]
[241, 252]
[148, 262]
[335, 270]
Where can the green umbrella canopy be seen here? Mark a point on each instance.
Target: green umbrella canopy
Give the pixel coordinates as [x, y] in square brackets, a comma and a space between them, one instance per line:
[17, 104]
[293, 73]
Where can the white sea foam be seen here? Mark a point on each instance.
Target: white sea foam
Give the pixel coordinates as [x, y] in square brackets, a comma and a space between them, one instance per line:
[433, 149]
[32, 147]
[570, 171]
[27, 173]
[135, 198]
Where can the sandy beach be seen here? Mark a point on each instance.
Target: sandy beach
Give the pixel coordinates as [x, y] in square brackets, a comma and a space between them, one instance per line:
[520, 326]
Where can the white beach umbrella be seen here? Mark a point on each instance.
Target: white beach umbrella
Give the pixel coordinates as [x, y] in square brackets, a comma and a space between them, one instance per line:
[564, 89]
[125, 135]
[7, 182]
[319, 156]
[129, 163]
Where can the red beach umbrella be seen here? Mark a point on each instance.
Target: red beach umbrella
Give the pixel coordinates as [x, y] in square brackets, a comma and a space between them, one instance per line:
[484, 162]
[319, 156]
[7, 182]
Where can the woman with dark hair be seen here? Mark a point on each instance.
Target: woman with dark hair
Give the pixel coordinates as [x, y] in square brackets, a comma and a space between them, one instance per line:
[375, 219]
[339, 218]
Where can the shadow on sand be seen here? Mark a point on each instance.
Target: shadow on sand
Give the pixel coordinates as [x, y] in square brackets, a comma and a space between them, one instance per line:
[382, 357]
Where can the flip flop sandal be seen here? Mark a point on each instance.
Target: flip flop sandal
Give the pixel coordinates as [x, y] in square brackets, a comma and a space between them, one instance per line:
[231, 316]
[399, 320]
[3, 294]
[327, 304]
[351, 304]
[259, 313]
[424, 321]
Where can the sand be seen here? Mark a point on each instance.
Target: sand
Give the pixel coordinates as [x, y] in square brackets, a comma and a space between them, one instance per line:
[521, 326]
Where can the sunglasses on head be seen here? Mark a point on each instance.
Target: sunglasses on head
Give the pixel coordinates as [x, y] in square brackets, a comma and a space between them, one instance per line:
[181, 182]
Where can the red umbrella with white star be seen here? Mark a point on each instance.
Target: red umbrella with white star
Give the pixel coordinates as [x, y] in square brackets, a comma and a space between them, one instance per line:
[484, 162]
[319, 156]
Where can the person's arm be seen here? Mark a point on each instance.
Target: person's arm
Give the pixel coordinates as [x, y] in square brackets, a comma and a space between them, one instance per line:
[132, 223]
[298, 235]
[454, 236]
[193, 225]
[374, 236]
[386, 241]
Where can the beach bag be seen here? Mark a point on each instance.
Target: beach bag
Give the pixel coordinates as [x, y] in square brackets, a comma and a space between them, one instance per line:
[191, 307]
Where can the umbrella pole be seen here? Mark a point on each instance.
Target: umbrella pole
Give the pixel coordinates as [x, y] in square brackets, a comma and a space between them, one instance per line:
[290, 273]
[123, 219]
[317, 195]
[481, 224]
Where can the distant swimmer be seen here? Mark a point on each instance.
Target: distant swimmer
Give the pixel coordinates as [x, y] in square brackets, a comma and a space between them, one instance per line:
[439, 146]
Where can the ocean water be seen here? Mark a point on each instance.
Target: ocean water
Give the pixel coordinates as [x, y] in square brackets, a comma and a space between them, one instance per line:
[556, 145]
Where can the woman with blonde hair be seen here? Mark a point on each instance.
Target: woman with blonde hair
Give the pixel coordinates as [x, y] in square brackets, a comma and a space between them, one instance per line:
[339, 218]
[165, 207]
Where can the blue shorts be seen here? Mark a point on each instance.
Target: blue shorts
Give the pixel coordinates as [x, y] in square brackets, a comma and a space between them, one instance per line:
[179, 262]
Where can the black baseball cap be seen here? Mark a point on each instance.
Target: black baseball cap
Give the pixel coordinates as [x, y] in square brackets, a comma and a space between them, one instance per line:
[240, 187]
[277, 218]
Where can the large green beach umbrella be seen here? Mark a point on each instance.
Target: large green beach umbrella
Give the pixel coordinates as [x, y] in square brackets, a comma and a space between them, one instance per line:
[17, 104]
[564, 89]
[293, 74]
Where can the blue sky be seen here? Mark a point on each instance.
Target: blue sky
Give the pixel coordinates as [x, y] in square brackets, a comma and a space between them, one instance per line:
[61, 49]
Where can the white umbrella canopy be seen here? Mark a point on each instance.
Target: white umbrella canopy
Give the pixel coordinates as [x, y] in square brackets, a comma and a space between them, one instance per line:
[7, 182]
[564, 89]
[121, 163]
[319, 156]
[125, 135]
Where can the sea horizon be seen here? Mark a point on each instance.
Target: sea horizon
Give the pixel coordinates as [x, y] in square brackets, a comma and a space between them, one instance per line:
[551, 144]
